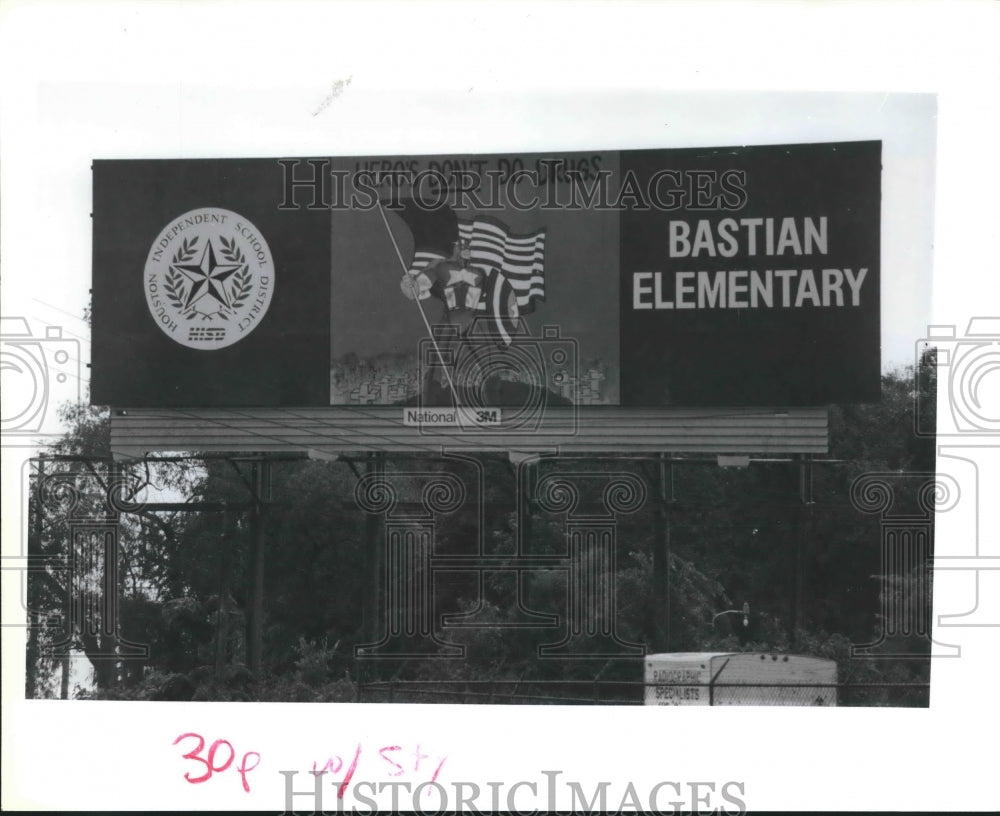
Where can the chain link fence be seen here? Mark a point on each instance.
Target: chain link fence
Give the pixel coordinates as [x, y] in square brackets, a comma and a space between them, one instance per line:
[618, 692]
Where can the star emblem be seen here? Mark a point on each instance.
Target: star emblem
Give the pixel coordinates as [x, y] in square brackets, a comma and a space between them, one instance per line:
[208, 278]
[463, 275]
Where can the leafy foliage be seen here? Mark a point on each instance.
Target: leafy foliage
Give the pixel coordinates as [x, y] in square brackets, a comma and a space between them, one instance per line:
[810, 572]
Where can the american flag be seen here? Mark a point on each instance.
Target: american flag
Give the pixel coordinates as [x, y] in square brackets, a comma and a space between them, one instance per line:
[519, 258]
[512, 265]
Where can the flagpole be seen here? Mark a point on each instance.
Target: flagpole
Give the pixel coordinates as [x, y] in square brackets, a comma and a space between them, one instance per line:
[416, 299]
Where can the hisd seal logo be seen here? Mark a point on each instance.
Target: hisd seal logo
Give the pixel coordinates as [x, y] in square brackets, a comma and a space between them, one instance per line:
[209, 278]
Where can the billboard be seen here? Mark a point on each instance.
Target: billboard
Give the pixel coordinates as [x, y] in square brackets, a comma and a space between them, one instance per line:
[745, 276]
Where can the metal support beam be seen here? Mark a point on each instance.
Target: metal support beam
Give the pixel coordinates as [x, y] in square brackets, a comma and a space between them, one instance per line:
[805, 491]
[661, 556]
[222, 612]
[374, 554]
[261, 481]
[191, 507]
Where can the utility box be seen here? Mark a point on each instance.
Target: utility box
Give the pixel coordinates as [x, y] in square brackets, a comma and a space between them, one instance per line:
[741, 678]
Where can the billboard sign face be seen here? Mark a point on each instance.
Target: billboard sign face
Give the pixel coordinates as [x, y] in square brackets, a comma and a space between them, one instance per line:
[204, 292]
[636, 279]
[761, 287]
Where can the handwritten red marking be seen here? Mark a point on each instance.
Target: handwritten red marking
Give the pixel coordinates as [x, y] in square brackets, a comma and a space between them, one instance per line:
[244, 770]
[211, 755]
[329, 766]
[210, 763]
[194, 755]
[417, 756]
[438, 770]
[399, 767]
[350, 773]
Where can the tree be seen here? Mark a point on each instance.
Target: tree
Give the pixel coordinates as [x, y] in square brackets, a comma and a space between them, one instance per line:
[185, 584]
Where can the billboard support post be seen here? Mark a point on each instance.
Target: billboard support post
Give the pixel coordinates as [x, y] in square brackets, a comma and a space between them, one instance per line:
[406, 619]
[661, 557]
[800, 529]
[261, 481]
[375, 558]
[222, 614]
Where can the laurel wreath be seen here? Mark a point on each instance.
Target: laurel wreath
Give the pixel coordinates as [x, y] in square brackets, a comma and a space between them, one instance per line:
[174, 281]
[188, 249]
[242, 282]
[173, 285]
[230, 251]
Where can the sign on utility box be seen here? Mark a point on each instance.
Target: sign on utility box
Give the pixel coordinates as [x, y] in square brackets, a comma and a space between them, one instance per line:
[752, 678]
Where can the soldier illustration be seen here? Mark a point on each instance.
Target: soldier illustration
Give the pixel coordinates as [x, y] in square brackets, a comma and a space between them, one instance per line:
[465, 275]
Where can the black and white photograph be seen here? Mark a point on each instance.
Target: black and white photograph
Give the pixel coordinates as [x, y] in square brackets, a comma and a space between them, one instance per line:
[389, 428]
